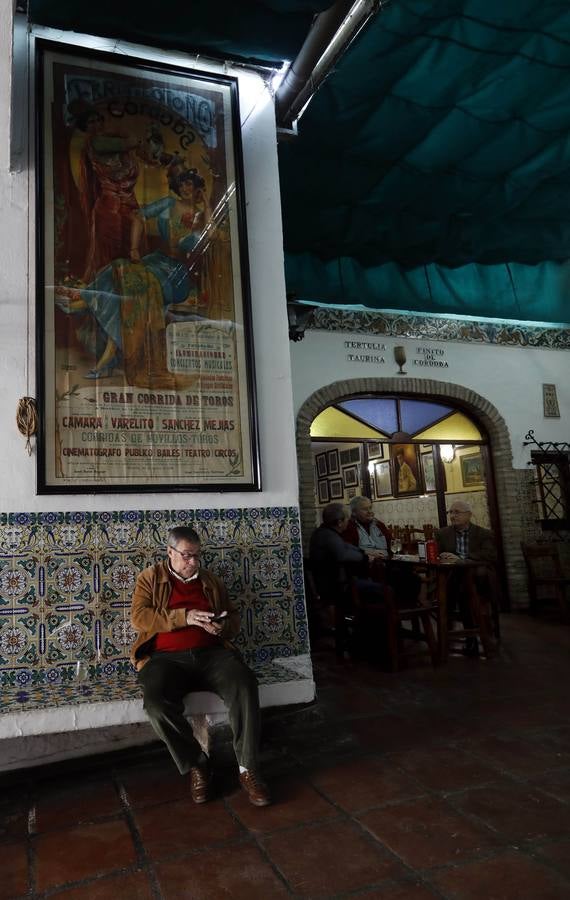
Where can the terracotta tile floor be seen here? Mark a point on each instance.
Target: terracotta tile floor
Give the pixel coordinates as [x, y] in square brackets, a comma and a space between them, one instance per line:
[453, 783]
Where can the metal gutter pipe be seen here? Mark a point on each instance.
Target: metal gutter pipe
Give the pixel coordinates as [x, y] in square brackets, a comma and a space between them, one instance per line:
[331, 33]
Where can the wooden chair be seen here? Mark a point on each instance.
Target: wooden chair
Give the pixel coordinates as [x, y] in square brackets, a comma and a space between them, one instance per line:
[387, 617]
[547, 584]
[415, 534]
[330, 614]
[480, 588]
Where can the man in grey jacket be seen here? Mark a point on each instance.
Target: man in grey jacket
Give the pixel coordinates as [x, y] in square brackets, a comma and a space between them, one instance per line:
[464, 541]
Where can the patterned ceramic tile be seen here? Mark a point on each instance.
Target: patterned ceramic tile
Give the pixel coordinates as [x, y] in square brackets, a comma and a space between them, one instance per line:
[66, 581]
[440, 328]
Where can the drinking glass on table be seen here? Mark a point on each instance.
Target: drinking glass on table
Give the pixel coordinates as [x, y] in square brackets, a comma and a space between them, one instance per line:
[396, 546]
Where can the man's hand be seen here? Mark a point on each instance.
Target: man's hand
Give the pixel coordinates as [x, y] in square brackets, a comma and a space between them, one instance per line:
[449, 557]
[202, 619]
[376, 554]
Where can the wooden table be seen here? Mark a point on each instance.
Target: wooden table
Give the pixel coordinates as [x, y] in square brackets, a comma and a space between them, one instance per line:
[440, 571]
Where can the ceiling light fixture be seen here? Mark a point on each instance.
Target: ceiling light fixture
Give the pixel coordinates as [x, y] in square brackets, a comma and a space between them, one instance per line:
[447, 452]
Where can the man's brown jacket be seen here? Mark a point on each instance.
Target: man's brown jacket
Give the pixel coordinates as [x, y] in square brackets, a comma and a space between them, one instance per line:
[150, 613]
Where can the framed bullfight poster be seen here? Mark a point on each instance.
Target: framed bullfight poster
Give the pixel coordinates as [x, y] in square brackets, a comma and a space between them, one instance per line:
[145, 357]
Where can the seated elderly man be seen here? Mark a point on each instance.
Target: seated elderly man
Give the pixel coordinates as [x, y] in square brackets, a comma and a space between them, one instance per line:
[365, 531]
[372, 536]
[462, 540]
[185, 623]
[333, 561]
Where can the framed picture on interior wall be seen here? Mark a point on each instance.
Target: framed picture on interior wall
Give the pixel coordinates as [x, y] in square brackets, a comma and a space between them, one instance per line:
[428, 471]
[375, 450]
[407, 478]
[323, 493]
[472, 469]
[144, 325]
[333, 462]
[350, 476]
[350, 493]
[321, 463]
[336, 489]
[344, 456]
[382, 480]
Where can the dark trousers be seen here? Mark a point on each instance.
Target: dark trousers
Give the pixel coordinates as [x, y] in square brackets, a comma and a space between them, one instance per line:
[168, 676]
[458, 603]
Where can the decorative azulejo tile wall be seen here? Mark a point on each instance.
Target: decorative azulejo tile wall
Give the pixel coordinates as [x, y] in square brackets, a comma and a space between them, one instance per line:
[66, 581]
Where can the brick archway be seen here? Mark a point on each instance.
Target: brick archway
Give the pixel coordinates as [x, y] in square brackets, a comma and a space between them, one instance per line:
[483, 412]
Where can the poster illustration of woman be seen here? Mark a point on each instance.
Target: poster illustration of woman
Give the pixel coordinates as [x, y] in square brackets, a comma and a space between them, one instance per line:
[145, 294]
[406, 469]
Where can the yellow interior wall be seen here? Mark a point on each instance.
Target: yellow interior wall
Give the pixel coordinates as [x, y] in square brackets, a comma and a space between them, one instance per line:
[453, 429]
[453, 478]
[332, 423]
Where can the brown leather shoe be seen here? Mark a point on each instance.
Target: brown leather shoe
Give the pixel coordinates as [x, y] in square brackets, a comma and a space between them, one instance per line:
[200, 781]
[255, 789]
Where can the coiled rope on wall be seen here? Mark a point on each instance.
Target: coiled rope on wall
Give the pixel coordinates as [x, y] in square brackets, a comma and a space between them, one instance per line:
[27, 420]
[27, 410]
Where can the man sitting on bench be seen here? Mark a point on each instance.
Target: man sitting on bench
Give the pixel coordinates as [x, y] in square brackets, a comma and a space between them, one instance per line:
[185, 621]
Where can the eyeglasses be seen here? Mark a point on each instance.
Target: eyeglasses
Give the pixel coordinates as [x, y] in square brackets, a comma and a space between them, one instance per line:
[187, 556]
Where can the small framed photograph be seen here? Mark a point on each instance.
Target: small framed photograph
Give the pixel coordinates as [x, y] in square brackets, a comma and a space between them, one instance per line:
[323, 492]
[354, 454]
[321, 463]
[350, 493]
[472, 469]
[344, 457]
[333, 462]
[375, 450]
[336, 489]
[428, 471]
[350, 476]
[382, 482]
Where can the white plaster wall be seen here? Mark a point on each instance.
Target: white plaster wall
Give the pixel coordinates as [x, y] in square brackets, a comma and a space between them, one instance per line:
[17, 361]
[511, 378]
[270, 329]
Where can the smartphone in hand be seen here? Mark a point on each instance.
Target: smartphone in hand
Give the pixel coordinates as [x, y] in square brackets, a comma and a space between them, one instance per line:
[220, 617]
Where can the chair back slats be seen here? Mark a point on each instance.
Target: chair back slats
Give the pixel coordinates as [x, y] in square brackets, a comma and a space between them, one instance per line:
[547, 584]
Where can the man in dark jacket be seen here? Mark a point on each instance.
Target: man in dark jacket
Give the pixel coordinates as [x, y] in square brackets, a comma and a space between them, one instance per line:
[464, 541]
[334, 562]
[332, 558]
[184, 622]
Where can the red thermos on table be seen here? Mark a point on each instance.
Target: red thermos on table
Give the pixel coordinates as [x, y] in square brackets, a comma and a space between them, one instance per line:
[431, 551]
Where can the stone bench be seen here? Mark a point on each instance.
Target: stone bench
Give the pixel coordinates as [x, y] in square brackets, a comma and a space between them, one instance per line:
[57, 728]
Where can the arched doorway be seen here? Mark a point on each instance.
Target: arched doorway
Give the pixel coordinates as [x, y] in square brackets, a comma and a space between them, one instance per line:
[477, 408]
[411, 456]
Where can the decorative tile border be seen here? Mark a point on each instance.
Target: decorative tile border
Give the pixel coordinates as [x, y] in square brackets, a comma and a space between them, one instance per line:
[66, 581]
[440, 329]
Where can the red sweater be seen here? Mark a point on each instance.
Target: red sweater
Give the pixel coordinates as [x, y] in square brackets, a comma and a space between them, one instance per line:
[350, 533]
[186, 595]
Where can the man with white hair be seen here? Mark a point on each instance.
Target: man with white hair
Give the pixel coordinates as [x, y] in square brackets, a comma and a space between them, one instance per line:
[464, 541]
[365, 531]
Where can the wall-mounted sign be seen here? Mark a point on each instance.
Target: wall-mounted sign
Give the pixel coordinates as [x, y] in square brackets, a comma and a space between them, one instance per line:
[144, 350]
[550, 401]
[365, 351]
[372, 352]
[431, 357]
